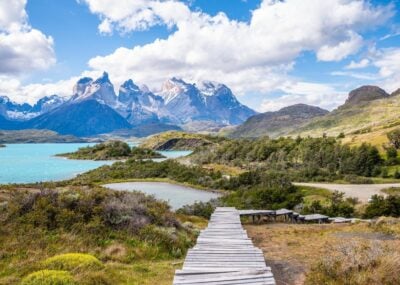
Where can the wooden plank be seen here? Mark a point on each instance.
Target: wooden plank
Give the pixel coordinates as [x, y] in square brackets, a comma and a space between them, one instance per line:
[224, 255]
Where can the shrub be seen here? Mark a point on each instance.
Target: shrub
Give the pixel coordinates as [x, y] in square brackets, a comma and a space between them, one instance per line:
[49, 277]
[354, 179]
[73, 262]
[337, 206]
[381, 206]
[394, 138]
[200, 209]
[356, 263]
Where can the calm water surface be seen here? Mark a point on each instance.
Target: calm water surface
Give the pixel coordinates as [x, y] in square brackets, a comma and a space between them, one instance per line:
[26, 163]
[175, 195]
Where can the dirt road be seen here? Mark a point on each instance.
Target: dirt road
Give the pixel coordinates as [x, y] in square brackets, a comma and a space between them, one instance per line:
[362, 191]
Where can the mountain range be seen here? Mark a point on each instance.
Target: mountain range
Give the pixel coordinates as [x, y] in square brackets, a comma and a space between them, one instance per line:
[95, 108]
[367, 115]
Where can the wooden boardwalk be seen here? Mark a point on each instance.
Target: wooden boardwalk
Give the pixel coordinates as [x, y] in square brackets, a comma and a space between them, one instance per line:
[224, 255]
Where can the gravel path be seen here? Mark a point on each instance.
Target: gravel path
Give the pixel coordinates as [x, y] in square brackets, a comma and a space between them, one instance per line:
[362, 191]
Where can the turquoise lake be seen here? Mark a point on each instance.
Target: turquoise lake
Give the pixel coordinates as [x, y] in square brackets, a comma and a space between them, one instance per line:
[26, 163]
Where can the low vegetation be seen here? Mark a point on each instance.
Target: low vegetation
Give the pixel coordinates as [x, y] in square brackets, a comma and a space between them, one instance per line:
[49, 277]
[91, 233]
[179, 141]
[112, 150]
[358, 263]
[37, 136]
[73, 262]
[334, 254]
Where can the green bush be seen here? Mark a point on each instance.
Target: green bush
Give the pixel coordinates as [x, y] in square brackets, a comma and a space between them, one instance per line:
[383, 206]
[73, 262]
[49, 277]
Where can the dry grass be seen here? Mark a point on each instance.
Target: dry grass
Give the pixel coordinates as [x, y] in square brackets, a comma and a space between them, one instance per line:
[224, 169]
[292, 250]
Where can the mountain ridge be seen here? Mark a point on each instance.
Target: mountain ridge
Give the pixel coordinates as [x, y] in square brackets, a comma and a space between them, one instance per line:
[178, 103]
[276, 123]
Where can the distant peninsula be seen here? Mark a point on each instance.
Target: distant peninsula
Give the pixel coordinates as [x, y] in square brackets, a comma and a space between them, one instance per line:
[112, 150]
[37, 136]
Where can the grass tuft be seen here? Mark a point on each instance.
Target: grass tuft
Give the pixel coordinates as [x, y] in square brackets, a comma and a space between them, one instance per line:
[73, 262]
[49, 277]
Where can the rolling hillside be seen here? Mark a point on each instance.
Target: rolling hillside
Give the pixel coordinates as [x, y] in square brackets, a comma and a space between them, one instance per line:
[278, 123]
[364, 119]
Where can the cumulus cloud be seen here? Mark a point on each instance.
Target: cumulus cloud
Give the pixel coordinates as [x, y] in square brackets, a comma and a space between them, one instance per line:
[388, 63]
[249, 56]
[322, 95]
[358, 65]
[22, 48]
[253, 56]
[133, 15]
[14, 89]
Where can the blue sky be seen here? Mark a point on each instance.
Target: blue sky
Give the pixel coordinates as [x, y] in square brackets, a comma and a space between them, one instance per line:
[271, 53]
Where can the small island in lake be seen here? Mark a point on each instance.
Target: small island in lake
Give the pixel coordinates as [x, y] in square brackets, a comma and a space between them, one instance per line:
[112, 150]
[2, 145]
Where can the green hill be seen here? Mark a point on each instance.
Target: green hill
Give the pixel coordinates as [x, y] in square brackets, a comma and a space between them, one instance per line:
[359, 120]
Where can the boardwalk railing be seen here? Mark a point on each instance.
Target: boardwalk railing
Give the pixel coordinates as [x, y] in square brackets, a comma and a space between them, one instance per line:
[224, 255]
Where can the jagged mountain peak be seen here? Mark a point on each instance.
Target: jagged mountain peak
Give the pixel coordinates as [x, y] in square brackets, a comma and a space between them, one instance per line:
[4, 99]
[84, 80]
[101, 90]
[104, 78]
[174, 87]
[48, 103]
[210, 87]
[130, 85]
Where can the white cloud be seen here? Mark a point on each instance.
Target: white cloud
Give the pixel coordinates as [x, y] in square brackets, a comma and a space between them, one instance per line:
[133, 15]
[30, 93]
[249, 57]
[357, 75]
[358, 65]
[388, 62]
[324, 96]
[340, 50]
[252, 56]
[12, 14]
[22, 48]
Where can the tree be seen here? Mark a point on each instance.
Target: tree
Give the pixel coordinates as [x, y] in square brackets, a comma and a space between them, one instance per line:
[394, 138]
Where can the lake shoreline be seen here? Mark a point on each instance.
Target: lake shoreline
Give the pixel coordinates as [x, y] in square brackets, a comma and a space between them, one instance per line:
[175, 195]
[162, 180]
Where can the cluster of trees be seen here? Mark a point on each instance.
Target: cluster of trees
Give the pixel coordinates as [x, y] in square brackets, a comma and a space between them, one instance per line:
[308, 158]
[336, 206]
[112, 150]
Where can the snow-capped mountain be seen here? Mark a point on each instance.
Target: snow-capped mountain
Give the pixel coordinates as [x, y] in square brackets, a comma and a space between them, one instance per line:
[47, 104]
[100, 90]
[94, 107]
[209, 101]
[14, 111]
[222, 105]
[138, 105]
[183, 100]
